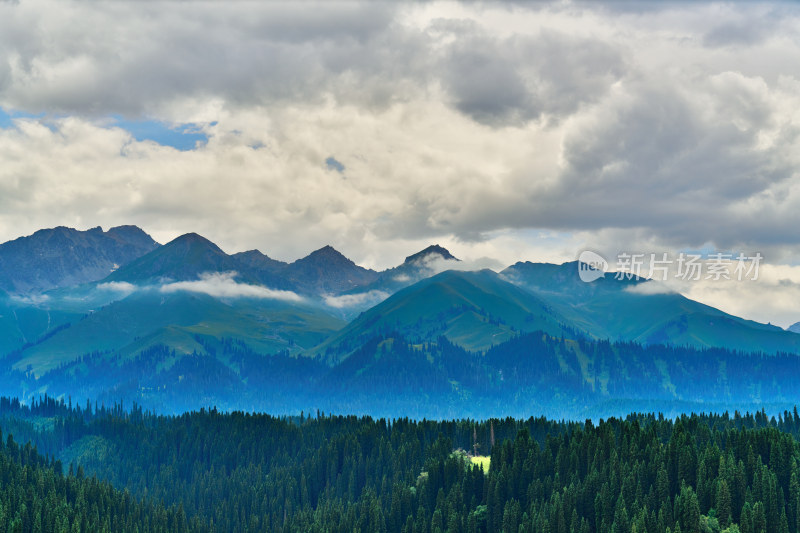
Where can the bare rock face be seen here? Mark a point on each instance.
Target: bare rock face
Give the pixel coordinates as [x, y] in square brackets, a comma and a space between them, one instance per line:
[61, 257]
[328, 271]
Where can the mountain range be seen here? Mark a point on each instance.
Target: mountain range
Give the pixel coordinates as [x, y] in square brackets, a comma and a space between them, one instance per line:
[60, 257]
[97, 314]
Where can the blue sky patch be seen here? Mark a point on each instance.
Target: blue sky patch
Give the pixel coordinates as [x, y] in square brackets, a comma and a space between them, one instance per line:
[7, 117]
[333, 164]
[182, 137]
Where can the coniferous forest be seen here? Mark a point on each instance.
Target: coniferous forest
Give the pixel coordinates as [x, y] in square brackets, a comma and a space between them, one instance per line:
[93, 468]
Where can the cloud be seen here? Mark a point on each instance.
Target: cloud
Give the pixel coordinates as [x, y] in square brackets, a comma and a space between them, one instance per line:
[121, 287]
[487, 86]
[215, 284]
[745, 30]
[136, 60]
[512, 80]
[361, 299]
[771, 298]
[431, 264]
[222, 285]
[30, 299]
[649, 288]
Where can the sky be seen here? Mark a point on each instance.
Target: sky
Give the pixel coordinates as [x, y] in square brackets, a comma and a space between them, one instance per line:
[504, 131]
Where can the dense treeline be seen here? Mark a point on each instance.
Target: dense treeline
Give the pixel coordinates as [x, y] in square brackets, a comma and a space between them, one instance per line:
[241, 471]
[35, 496]
[252, 472]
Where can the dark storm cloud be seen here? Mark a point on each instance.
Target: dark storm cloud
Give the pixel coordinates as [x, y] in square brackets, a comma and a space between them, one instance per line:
[487, 86]
[135, 59]
[746, 29]
[513, 80]
[743, 33]
[571, 72]
[131, 58]
[483, 76]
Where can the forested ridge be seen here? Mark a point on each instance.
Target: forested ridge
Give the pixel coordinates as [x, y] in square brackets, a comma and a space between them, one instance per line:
[388, 374]
[36, 496]
[214, 471]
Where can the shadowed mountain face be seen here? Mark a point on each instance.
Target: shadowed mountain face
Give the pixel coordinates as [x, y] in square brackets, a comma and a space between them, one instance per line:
[264, 270]
[62, 257]
[326, 271]
[255, 260]
[428, 253]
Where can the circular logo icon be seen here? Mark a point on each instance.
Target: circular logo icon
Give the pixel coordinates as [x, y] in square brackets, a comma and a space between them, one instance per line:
[591, 266]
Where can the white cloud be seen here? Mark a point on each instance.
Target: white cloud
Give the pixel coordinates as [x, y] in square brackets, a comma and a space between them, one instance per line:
[772, 298]
[30, 299]
[222, 285]
[432, 264]
[121, 287]
[650, 288]
[361, 299]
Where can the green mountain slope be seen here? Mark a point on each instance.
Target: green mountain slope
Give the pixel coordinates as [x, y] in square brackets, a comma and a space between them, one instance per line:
[25, 322]
[473, 309]
[182, 259]
[327, 271]
[149, 317]
[614, 309]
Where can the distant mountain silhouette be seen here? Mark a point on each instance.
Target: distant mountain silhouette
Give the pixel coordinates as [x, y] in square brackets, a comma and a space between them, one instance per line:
[430, 252]
[182, 259]
[327, 271]
[63, 257]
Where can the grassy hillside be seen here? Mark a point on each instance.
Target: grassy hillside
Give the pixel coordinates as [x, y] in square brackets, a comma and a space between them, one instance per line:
[472, 309]
[148, 318]
[616, 309]
[24, 323]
